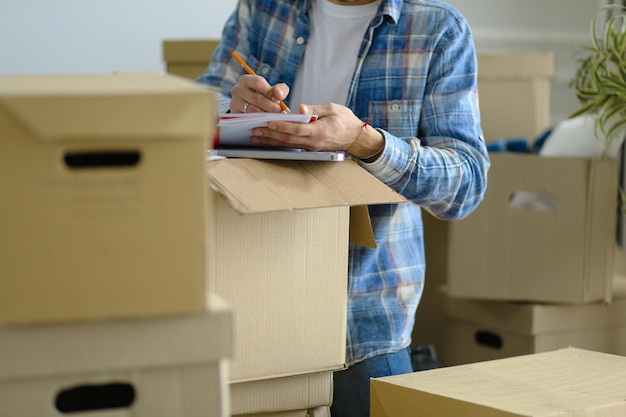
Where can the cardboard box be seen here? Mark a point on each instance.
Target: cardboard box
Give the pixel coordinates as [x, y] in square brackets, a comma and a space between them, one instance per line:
[514, 90]
[484, 330]
[561, 253]
[170, 367]
[282, 230]
[566, 383]
[104, 200]
[295, 394]
[188, 58]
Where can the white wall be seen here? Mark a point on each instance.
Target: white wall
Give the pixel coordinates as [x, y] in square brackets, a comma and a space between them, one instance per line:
[81, 36]
[537, 25]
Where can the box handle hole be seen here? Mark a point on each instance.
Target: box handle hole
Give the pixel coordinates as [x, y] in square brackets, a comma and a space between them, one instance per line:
[101, 159]
[95, 397]
[488, 339]
[533, 200]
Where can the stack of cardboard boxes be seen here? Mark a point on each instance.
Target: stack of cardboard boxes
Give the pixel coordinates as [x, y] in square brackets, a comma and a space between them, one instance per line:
[531, 298]
[280, 258]
[513, 258]
[532, 269]
[104, 299]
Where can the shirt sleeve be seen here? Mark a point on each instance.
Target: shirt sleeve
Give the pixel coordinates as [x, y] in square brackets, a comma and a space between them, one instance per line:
[445, 169]
[223, 72]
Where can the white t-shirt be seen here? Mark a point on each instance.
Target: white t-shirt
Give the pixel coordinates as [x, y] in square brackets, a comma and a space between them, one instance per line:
[331, 55]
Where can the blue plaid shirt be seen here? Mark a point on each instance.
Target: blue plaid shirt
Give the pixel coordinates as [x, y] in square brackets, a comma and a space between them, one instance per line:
[415, 81]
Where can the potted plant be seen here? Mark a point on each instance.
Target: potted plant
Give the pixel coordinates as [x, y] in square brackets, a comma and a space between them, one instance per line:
[600, 81]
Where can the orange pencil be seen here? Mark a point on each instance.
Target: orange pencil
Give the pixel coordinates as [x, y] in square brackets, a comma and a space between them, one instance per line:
[251, 72]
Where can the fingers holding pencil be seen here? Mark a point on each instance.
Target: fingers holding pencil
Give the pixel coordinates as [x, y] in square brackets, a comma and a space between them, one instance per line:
[276, 93]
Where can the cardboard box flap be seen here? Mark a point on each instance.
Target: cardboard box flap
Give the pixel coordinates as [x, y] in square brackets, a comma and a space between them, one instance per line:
[189, 50]
[567, 382]
[150, 106]
[255, 186]
[516, 65]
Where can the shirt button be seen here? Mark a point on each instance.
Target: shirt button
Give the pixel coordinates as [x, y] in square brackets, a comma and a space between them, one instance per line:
[300, 40]
[265, 70]
[395, 107]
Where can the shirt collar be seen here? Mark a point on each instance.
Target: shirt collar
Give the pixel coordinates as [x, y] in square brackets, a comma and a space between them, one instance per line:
[391, 8]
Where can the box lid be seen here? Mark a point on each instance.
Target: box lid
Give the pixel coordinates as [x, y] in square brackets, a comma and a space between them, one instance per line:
[566, 383]
[189, 50]
[511, 65]
[84, 107]
[257, 186]
[70, 348]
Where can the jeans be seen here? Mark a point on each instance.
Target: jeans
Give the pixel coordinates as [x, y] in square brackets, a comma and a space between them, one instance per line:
[351, 392]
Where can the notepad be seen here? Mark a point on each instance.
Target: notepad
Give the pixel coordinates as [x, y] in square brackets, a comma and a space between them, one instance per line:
[236, 129]
[232, 139]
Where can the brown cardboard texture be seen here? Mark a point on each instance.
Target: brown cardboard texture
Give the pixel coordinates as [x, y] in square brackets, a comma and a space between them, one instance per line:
[184, 356]
[484, 330]
[104, 200]
[514, 89]
[255, 186]
[281, 259]
[299, 392]
[188, 58]
[512, 248]
[566, 383]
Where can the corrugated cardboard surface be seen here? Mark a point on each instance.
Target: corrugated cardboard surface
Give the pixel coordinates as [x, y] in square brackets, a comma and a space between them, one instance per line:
[564, 254]
[276, 395]
[514, 90]
[281, 259]
[568, 383]
[102, 241]
[177, 366]
[285, 273]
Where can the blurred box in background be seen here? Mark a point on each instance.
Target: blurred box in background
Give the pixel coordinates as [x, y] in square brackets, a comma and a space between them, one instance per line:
[188, 58]
[478, 330]
[545, 232]
[514, 92]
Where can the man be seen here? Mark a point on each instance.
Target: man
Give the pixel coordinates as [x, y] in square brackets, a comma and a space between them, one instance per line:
[393, 83]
